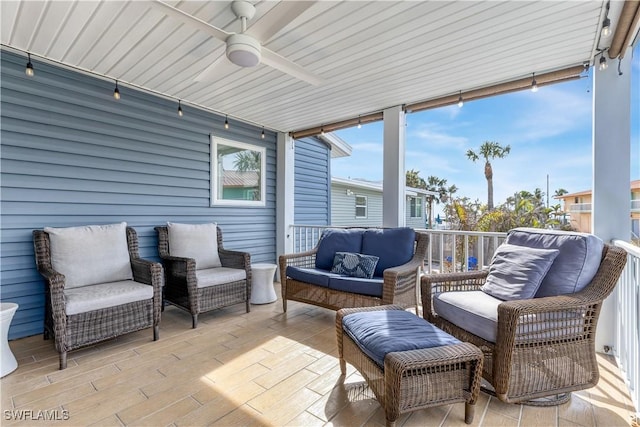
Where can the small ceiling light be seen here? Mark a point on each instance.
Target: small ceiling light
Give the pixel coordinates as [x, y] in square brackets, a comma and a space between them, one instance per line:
[322, 131]
[534, 84]
[262, 134]
[116, 91]
[359, 123]
[603, 63]
[226, 122]
[606, 24]
[460, 101]
[180, 113]
[29, 70]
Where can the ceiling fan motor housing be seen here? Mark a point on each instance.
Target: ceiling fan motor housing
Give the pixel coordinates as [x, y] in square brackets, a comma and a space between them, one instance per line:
[243, 50]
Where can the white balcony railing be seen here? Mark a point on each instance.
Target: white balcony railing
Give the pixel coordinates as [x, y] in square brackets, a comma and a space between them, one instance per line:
[446, 253]
[580, 207]
[626, 345]
[635, 205]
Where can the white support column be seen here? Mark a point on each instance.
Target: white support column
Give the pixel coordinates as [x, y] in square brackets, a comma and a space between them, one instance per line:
[285, 162]
[393, 202]
[611, 200]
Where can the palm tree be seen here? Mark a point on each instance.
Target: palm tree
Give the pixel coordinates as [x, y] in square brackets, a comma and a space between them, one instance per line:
[413, 179]
[489, 150]
[438, 185]
[247, 161]
[560, 192]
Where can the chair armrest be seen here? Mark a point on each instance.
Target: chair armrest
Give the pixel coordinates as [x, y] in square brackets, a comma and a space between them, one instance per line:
[147, 272]
[301, 259]
[235, 259]
[431, 284]
[179, 266]
[55, 280]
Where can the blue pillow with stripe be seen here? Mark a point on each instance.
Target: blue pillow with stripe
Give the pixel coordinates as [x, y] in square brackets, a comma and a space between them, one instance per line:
[354, 265]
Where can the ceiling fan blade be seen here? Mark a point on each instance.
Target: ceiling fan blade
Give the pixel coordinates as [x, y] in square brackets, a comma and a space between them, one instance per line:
[190, 20]
[281, 63]
[277, 18]
[213, 71]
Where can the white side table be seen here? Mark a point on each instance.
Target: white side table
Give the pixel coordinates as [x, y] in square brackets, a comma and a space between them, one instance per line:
[8, 363]
[262, 291]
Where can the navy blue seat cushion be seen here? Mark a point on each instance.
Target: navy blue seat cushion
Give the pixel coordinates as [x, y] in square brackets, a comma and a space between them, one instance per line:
[378, 333]
[357, 285]
[337, 240]
[394, 247]
[310, 275]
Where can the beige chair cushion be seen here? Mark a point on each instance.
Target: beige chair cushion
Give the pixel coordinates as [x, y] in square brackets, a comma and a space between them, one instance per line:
[103, 295]
[219, 276]
[197, 241]
[90, 254]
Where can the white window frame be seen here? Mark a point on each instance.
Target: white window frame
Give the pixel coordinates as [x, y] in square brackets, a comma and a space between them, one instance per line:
[213, 181]
[365, 206]
[417, 205]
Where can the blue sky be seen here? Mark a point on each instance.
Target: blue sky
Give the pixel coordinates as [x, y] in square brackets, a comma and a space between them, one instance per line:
[549, 133]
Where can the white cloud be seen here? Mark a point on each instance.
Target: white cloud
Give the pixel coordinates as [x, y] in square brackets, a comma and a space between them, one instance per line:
[435, 135]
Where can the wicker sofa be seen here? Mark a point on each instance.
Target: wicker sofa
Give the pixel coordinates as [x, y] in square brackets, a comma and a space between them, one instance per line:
[307, 277]
[538, 348]
[97, 286]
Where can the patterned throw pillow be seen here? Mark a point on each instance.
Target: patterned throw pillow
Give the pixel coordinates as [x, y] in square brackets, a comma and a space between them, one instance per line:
[354, 265]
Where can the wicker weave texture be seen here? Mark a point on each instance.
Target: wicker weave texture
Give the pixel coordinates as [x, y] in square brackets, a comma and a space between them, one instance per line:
[544, 346]
[82, 329]
[399, 286]
[415, 379]
[181, 284]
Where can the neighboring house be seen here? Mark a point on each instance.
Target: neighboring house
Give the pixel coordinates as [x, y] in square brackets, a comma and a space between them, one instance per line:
[359, 203]
[578, 205]
[240, 185]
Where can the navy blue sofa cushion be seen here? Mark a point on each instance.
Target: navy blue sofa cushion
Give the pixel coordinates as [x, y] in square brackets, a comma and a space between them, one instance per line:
[310, 275]
[337, 240]
[394, 246]
[357, 285]
[378, 333]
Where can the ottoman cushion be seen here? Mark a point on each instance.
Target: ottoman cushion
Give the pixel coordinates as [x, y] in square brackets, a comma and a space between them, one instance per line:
[378, 333]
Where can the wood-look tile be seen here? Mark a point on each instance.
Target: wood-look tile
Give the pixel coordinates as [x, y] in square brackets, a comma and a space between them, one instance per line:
[52, 396]
[220, 383]
[245, 416]
[167, 414]
[282, 414]
[283, 392]
[284, 370]
[260, 368]
[220, 406]
[305, 419]
[578, 410]
[110, 421]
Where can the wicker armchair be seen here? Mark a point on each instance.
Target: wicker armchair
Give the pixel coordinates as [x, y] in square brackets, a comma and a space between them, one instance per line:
[72, 331]
[545, 347]
[181, 284]
[399, 283]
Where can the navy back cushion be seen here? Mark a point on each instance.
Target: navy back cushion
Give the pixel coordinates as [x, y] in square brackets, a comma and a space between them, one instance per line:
[337, 240]
[394, 246]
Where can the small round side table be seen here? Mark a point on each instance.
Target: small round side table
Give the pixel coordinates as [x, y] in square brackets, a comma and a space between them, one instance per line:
[262, 291]
[8, 363]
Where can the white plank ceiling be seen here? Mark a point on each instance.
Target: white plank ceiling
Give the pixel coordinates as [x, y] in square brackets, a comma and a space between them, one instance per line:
[370, 55]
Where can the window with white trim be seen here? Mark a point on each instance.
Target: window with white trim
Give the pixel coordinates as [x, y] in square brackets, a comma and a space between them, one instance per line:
[361, 206]
[415, 207]
[237, 173]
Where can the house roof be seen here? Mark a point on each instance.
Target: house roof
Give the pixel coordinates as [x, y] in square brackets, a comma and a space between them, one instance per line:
[232, 178]
[368, 55]
[377, 186]
[339, 147]
[635, 185]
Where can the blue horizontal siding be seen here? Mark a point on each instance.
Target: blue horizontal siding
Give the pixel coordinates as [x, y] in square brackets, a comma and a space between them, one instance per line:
[312, 188]
[73, 155]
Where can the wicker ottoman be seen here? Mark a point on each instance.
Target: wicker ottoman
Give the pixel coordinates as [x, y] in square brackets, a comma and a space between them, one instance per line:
[414, 379]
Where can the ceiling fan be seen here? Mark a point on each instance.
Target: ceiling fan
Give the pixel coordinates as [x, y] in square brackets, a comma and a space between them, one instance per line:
[244, 48]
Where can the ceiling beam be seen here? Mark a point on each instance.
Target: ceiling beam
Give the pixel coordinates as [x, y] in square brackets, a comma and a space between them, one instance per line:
[566, 74]
[626, 29]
